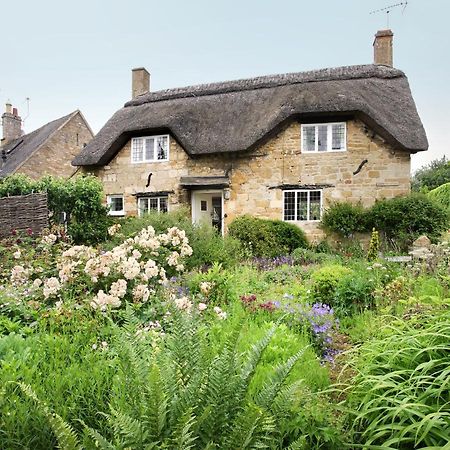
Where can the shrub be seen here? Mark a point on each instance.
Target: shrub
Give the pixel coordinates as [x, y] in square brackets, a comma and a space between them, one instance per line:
[268, 238]
[344, 218]
[354, 294]
[441, 195]
[305, 256]
[325, 281]
[207, 244]
[80, 198]
[403, 219]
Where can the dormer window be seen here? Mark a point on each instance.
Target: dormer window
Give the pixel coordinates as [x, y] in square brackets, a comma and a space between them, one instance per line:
[150, 149]
[324, 137]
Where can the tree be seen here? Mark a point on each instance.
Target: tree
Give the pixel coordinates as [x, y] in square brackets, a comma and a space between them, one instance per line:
[432, 175]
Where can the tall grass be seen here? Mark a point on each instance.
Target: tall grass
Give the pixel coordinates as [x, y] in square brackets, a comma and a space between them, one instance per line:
[401, 393]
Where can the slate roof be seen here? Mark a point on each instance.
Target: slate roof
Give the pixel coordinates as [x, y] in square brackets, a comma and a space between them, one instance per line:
[235, 116]
[19, 150]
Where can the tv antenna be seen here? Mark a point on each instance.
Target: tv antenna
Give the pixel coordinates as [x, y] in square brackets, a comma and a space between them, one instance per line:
[388, 10]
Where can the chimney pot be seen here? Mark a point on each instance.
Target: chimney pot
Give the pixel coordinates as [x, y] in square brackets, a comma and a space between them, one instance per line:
[140, 82]
[12, 124]
[382, 48]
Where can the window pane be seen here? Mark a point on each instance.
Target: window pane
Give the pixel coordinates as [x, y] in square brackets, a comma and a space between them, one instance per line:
[314, 205]
[116, 204]
[289, 206]
[338, 136]
[153, 203]
[163, 204]
[143, 206]
[137, 149]
[322, 131]
[149, 149]
[302, 206]
[309, 138]
[162, 147]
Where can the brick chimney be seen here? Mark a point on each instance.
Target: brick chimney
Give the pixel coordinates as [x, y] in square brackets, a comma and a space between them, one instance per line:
[140, 83]
[12, 124]
[382, 48]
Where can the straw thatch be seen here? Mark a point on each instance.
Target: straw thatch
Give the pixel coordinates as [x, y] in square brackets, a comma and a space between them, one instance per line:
[238, 115]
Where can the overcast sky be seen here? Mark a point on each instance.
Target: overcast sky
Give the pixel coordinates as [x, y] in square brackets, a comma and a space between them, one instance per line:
[79, 55]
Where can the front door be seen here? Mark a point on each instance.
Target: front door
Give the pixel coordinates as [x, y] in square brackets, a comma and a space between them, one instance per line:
[207, 209]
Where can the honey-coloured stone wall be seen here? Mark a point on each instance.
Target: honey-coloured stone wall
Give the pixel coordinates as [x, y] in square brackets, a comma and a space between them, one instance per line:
[256, 176]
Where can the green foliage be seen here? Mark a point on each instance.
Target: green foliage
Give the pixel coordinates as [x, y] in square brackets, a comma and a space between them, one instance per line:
[184, 396]
[431, 176]
[325, 281]
[400, 394]
[81, 198]
[344, 218]
[267, 238]
[207, 244]
[304, 256]
[403, 219]
[354, 294]
[441, 195]
[374, 245]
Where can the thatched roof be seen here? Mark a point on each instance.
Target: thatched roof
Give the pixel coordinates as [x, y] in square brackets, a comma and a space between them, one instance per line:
[238, 115]
[19, 150]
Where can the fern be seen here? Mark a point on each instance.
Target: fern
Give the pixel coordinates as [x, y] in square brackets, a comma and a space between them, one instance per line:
[183, 397]
[64, 433]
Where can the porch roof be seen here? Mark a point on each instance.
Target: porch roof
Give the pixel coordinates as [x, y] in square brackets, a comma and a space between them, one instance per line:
[204, 182]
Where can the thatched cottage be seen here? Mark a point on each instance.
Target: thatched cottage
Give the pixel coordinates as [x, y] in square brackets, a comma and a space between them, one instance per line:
[49, 150]
[281, 146]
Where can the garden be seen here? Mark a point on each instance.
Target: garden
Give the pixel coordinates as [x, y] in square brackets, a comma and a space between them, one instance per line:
[153, 333]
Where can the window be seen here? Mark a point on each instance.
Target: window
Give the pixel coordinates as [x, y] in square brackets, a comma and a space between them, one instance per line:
[116, 205]
[150, 149]
[302, 205]
[146, 204]
[324, 137]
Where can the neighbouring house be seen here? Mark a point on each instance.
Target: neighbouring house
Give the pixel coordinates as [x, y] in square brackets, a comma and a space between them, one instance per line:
[281, 147]
[49, 150]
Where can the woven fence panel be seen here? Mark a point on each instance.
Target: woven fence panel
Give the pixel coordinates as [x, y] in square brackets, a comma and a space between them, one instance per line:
[22, 213]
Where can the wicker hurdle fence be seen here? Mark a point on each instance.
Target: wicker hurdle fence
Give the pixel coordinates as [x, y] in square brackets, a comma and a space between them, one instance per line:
[23, 213]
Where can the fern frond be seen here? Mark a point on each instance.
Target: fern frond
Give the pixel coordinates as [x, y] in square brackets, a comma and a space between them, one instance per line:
[97, 439]
[184, 438]
[129, 430]
[64, 433]
[271, 387]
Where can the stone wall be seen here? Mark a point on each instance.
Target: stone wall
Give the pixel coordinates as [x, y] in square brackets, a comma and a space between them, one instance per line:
[57, 153]
[255, 175]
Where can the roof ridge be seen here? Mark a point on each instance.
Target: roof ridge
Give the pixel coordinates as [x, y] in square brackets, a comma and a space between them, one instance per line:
[267, 81]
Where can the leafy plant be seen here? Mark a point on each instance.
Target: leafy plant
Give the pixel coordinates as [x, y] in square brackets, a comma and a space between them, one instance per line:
[399, 399]
[325, 281]
[441, 195]
[181, 396]
[374, 245]
[403, 219]
[432, 175]
[268, 238]
[344, 218]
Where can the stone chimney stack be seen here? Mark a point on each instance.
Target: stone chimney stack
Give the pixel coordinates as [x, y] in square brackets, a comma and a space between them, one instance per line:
[12, 124]
[382, 48]
[140, 83]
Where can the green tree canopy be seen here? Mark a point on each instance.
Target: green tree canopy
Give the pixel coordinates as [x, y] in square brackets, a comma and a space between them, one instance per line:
[432, 175]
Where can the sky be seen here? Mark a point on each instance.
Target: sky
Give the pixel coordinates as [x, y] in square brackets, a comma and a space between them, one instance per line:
[65, 55]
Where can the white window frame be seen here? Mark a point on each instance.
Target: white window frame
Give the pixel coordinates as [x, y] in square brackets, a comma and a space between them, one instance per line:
[159, 197]
[329, 126]
[155, 158]
[109, 202]
[297, 192]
